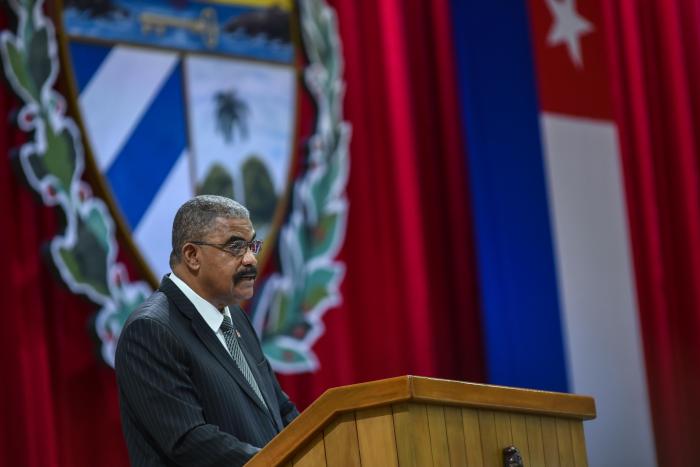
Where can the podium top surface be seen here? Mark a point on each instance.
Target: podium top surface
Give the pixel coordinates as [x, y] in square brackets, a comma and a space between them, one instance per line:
[404, 389]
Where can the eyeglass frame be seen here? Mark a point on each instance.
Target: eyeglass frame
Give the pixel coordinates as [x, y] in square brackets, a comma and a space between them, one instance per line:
[254, 246]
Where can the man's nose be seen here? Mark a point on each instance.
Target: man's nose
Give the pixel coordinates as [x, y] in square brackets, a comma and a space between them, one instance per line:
[249, 258]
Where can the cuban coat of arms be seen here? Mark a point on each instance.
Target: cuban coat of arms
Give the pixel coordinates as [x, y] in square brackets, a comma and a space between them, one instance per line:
[177, 98]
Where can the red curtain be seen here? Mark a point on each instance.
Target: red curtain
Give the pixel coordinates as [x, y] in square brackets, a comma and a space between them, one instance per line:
[59, 402]
[409, 294]
[655, 62]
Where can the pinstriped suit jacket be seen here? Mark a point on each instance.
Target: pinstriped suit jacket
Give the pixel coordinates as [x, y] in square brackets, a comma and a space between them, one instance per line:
[183, 400]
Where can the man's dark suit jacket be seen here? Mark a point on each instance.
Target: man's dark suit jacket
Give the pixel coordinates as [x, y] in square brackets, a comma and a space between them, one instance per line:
[183, 399]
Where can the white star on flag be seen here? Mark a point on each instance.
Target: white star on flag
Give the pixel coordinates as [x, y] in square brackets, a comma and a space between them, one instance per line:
[568, 28]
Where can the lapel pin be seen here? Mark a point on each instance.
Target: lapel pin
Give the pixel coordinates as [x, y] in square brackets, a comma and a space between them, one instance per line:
[238, 334]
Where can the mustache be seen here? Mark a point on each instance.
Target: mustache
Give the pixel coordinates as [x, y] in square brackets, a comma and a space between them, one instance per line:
[245, 273]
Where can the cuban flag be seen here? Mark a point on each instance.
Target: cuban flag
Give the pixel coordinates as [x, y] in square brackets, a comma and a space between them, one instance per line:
[557, 277]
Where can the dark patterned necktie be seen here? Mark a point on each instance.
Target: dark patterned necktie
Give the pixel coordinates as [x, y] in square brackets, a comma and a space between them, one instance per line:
[236, 352]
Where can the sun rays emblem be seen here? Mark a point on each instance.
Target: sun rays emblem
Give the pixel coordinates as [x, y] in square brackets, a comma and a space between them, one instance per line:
[177, 98]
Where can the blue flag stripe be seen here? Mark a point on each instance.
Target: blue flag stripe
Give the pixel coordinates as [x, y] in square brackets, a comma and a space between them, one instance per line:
[151, 152]
[522, 322]
[86, 59]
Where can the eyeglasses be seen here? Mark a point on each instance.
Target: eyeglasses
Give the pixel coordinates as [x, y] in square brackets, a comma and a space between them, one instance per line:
[236, 247]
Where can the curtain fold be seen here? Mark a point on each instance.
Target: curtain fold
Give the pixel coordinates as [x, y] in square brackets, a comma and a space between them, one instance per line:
[410, 300]
[59, 402]
[655, 62]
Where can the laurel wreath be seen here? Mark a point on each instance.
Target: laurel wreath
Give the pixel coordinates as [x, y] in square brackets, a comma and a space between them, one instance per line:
[52, 162]
[288, 313]
[292, 302]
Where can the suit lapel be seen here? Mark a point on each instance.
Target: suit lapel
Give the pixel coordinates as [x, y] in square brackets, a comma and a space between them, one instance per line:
[210, 340]
[236, 313]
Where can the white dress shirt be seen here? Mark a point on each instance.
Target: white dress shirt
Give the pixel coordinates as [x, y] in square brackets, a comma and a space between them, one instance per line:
[211, 315]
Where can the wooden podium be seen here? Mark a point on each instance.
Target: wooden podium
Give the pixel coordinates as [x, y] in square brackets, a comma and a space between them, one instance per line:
[415, 421]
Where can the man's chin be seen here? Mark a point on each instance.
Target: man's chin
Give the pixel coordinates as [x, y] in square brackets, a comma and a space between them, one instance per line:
[244, 289]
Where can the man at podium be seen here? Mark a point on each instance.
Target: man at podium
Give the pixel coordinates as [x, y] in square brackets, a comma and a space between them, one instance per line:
[195, 388]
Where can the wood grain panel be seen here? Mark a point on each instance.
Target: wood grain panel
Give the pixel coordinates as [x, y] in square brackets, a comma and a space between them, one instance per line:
[489, 441]
[503, 433]
[518, 429]
[340, 439]
[375, 435]
[566, 449]
[534, 440]
[412, 435]
[436, 391]
[472, 437]
[438, 435]
[418, 390]
[579, 441]
[455, 436]
[402, 432]
[312, 455]
[331, 404]
[549, 440]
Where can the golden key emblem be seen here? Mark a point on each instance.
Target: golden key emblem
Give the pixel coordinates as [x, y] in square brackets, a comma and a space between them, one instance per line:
[206, 25]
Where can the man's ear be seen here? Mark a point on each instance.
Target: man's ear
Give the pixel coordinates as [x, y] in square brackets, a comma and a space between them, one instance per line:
[190, 256]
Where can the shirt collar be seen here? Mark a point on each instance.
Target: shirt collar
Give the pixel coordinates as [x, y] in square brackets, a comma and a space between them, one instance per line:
[211, 315]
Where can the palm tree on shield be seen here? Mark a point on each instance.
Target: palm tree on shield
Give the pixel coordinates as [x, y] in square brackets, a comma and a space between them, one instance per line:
[232, 114]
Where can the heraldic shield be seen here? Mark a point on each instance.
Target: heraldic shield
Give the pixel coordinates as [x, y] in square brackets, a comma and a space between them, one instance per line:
[182, 98]
[172, 98]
